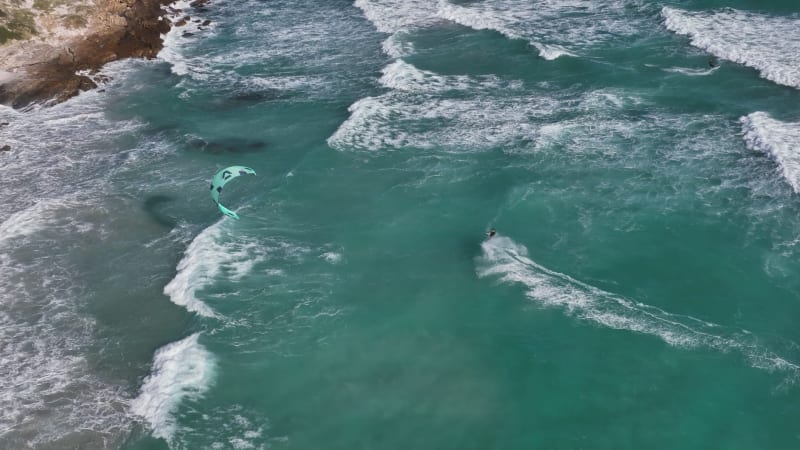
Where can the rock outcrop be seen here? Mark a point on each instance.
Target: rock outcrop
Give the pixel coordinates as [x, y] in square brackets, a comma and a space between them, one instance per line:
[48, 47]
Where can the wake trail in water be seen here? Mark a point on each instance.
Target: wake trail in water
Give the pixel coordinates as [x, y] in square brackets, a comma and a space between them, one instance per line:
[509, 262]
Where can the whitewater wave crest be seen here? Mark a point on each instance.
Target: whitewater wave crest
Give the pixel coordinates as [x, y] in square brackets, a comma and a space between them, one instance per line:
[183, 370]
[403, 76]
[212, 255]
[765, 43]
[554, 27]
[779, 140]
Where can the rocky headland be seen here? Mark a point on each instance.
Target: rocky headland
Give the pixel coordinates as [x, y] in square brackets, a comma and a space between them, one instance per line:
[49, 48]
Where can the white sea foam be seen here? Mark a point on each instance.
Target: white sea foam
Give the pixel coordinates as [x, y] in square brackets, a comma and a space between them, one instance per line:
[56, 190]
[40, 159]
[46, 386]
[413, 116]
[609, 101]
[509, 262]
[24, 223]
[390, 16]
[229, 426]
[554, 27]
[55, 215]
[779, 140]
[483, 18]
[552, 52]
[403, 76]
[392, 121]
[182, 370]
[207, 259]
[768, 44]
[397, 46]
[275, 45]
[332, 257]
[692, 72]
[177, 38]
[58, 183]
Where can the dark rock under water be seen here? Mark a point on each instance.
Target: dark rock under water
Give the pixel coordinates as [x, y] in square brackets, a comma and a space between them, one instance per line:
[155, 206]
[228, 145]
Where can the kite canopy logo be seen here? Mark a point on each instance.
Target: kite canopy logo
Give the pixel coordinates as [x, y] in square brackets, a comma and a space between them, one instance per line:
[221, 179]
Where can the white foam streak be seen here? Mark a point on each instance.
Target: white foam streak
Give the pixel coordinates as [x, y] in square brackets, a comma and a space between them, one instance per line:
[390, 16]
[554, 27]
[483, 19]
[403, 76]
[397, 120]
[206, 260]
[58, 183]
[414, 116]
[176, 38]
[551, 52]
[691, 72]
[768, 44]
[182, 370]
[46, 386]
[551, 26]
[509, 261]
[23, 223]
[396, 46]
[779, 140]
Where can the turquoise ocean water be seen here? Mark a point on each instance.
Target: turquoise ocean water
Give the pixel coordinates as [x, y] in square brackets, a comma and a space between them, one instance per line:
[642, 291]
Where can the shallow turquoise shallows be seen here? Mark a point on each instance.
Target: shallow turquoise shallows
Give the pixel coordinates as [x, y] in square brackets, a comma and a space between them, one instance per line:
[640, 161]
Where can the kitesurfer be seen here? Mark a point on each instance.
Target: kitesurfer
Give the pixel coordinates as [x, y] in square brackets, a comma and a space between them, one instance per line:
[490, 234]
[712, 63]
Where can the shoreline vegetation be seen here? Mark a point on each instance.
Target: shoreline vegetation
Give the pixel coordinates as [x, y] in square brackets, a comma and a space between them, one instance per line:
[49, 49]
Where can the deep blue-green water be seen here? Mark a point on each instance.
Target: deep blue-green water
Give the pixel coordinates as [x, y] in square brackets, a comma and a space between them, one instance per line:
[640, 161]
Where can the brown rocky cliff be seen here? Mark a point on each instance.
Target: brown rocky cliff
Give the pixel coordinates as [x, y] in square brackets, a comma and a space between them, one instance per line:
[45, 67]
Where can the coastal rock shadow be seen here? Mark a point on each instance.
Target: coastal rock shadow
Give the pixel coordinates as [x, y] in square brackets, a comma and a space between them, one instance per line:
[242, 99]
[228, 145]
[156, 207]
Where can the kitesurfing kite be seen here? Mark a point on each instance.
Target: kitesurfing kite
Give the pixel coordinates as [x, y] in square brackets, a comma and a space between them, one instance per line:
[221, 179]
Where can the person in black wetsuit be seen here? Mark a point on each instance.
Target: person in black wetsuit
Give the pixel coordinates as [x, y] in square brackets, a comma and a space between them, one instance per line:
[491, 233]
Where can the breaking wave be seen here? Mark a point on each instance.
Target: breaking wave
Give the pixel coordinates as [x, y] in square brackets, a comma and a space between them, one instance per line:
[403, 76]
[211, 256]
[759, 41]
[182, 370]
[554, 27]
[779, 140]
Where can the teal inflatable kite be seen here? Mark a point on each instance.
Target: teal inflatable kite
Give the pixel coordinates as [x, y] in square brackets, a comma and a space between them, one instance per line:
[221, 179]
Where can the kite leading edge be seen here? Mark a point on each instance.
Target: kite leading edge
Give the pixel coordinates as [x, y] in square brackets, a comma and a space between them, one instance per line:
[221, 179]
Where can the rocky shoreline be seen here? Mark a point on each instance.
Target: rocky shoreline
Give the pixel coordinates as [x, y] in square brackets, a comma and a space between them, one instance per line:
[50, 49]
